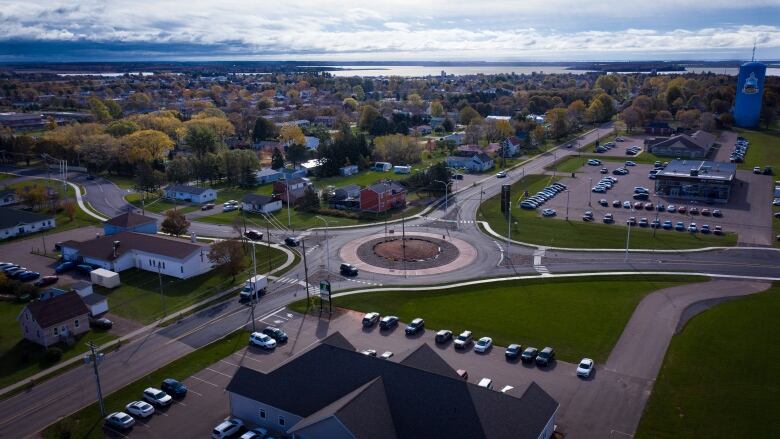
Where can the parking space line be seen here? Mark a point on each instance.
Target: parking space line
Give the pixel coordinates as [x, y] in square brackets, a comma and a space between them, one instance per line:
[115, 431]
[216, 371]
[190, 390]
[228, 362]
[162, 413]
[181, 403]
[207, 382]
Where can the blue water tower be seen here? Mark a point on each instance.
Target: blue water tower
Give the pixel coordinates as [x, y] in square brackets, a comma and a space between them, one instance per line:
[750, 89]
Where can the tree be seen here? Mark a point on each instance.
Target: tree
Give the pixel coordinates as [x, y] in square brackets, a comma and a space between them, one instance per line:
[468, 114]
[575, 113]
[277, 159]
[707, 121]
[631, 117]
[120, 128]
[69, 208]
[557, 120]
[264, 129]
[174, 223]
[148, 145]
[396, 148]
[368, 115]
[688, 118]
[291, 134]
[474, 132]
[148, 179]
[448, 125]
[201, 139]
[296, 153]
[228, 256]
[437, 109]
[179, 170]
[350, 104]
[310, 201]
[537, 135]
[99, 109]
[113, 108]
[32, 196]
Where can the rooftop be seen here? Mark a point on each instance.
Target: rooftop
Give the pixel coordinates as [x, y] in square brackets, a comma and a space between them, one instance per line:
[129, 219]
[703, 169]
[103, 247]
[187, 189]
[13, 217]
[57, 309]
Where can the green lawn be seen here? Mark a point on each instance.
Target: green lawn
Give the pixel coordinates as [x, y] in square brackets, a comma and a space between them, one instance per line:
[139, 299]
[721, 375]
[20, 358]
[87, 422]
[579, 317]
[158, 204]
[121, 181]
[764, 149]
[528, 226]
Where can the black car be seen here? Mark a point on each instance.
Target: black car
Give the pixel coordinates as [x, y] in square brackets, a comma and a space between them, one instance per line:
[291, 241]
[173, 387]
[545, 357]
[348, 270]
[443, 336]
[101, 323]
[254, 235]
[415, 326]
[275, 333]
[512, 351]
[388, 322]
[529, 355]
[642, 197]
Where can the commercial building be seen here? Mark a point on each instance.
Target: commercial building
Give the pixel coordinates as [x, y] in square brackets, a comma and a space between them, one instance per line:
[332, 391]
[154, 253]
[59, 317]
[15, 222]
[696, 180]
[695, 146]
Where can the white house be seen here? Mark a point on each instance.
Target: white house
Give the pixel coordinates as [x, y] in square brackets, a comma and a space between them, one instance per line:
[154, 253]
[260, 203]
[479, 162]
[190, 193]
[15, 222]
[96, 303]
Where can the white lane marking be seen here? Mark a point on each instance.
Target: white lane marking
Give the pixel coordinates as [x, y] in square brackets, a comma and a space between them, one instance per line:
[221, 373]
[207, 382]
[228, 362]
[190, 390]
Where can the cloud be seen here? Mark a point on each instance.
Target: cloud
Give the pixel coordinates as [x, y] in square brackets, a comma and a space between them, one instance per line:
[401, 29]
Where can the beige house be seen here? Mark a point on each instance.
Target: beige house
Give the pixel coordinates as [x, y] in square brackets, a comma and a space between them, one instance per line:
[53, 320]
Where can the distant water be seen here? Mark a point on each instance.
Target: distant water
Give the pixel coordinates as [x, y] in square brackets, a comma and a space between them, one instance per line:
[106, 74]
[422, 71]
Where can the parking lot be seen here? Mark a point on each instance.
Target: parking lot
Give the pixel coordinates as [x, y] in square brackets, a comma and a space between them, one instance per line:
[207, 403]
[747, 213]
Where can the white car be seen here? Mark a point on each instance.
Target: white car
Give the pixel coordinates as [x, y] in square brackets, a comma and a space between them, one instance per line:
[506, 389]
[262, 340]
[548, 212]
[585, 368]
[501, 174]
[140, 409]
[227, 428]
[157, 397]
[386, 355]
[120, 420]
[486, 383]
[255, 433]
[483, 344]
[630, 163]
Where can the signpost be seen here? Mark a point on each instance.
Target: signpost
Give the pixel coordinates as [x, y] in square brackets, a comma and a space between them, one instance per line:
[325, 295]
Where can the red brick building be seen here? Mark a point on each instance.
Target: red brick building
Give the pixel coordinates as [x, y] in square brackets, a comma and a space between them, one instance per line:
[383, 196]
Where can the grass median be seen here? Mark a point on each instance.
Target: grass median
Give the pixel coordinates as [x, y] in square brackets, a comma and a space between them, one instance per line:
[579, 317]
[721, 375]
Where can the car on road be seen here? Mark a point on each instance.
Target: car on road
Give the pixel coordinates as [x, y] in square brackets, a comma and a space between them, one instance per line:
[276, 333]
[157, 397]
[415, 326]
[370, 319]
[254, 235]
[140, 409]
[90, 177]
[388, 322]
[101, 323]
[255, 433]
[46, 280]
[261, 340]
[585, 368]
[513, 351]
[463, 340]
[28, 276]
[548, 212]
[227, 428]
[483, 344]
[529, 355]
[501, 174]
[229, 207]
[443, 336]
[608, 218]
[173, 387]
[546, 357]
[119, 420]
[348, 270]
[292, 241]
[62, 267]
[207, 206]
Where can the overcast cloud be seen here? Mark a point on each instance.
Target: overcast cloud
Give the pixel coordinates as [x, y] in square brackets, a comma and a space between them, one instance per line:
[382, 30]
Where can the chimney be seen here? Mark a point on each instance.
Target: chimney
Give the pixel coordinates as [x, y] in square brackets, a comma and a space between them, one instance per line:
[193, 238]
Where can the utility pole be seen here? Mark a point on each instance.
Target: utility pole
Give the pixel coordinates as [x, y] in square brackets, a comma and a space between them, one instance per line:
[305, 271]
[254, 286]
[327, 243]
[403, 242]
[162, 295]
[289, 221]
[567, 204]
[94, 357]
[268, 245]
[591, 191]
[628, 237]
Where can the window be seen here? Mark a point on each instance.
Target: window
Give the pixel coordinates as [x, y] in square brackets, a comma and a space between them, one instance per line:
[56, 331]
[281, 421]
[150, 262]
[38, 334]
[262, 414]
[76, 323]
[182, 268]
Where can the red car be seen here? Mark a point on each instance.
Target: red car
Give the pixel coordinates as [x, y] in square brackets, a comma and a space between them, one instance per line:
[46, 280]
[207, 206]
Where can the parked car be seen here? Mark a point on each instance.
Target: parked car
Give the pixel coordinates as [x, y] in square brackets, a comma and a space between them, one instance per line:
[692, 228]
[486, 383]
[46, 280]
[667, 225]
[101, 323]
[483, 344]
[385, 355]
[585, 368]
[671, 208]
[705, 228]
[119, 420]
[655, 224]
[370, 319]
[227, 428]
[548, 212]
[627, 205]
[292, 241]
[718, 230]
[276, 333]
[604, 171]
[594, 162]
[587, 216]
[649, 206]
[173, 387]
[84, 268]
[157, 397]
[28, 276]
[463, 340]
[369, 352]
[680, 226]
[513, 351]
[717, 213]
[261, 340]
[545, 357]
[682, 209]
[756, 169]
[617, 203]
[228, 207]
[388, 322]
[693, 210]
[254, 235]
[643, 222]
[706, 212]
[348, 270]
[207, 206]
[463, 374]
[255, 433]
[443, 336]
[608, 218]
[638, 205]
[630, 163]
[529, 355]
[631, 221]
[64, 266]
[415, 326]
[140, 409]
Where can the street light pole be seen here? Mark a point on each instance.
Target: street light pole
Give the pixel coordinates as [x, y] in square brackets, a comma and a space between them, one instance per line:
[567, 204]
[446, 192]
[254, 286]
[590, 192]
[327, 243]
[628, 236]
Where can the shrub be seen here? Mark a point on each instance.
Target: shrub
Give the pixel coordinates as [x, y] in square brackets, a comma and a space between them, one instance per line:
[52, 355]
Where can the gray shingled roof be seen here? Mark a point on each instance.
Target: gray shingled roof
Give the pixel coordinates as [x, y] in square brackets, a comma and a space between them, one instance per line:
[102, 248]
[129, 219]
[58, 309]
[14, 217]
[187, 189]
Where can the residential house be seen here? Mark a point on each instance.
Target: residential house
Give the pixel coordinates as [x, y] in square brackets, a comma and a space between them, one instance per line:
[658, 128]
[348, 170]
[382, 196]
[15, 222]
[345, 197]
[268, 175]
[456, 138]
[130, 222]
[312, 143]
[260, 203]
[511, 146]
[292, 174]
[695, 146]
[436, 122]
[420, 130]
[192, 194]
[471, 149]
[290, 191]
[8, 197]
[478, 162]
[22, 121]
[327, 121]
[125, 250]
[414, 394]
[56, 319]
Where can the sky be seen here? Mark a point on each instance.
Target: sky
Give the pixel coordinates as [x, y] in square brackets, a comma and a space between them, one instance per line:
[400, 30]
